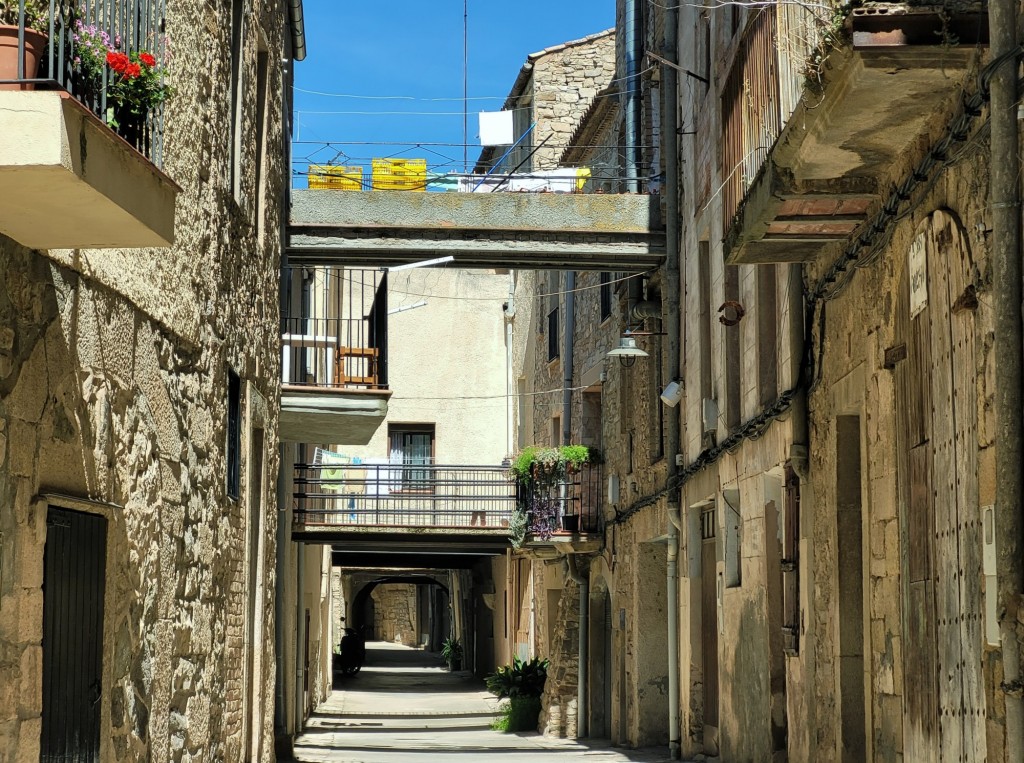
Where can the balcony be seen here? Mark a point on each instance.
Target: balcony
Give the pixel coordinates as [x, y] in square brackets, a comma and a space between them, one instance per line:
[802, 166]
[566, 516]
[334, 355]
[68, 180]
[415, 505]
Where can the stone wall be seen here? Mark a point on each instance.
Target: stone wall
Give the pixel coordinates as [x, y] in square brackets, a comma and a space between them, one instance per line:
[564, 82]
[396, 615]
[113, 389]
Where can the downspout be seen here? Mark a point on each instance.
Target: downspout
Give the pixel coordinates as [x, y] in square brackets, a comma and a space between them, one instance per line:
[584, 645]
[670, 90]
[510, 382]
[567, 364]
[1009, 348]
[631, 108]
[300, 641]
[280, 714]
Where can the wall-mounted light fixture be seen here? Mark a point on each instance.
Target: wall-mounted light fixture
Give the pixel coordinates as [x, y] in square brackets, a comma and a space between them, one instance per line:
[627, 352]
[672, 394]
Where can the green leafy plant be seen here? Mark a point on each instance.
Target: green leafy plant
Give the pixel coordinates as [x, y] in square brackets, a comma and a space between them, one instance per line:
[518, 714]
[538, 472]
[520, 679]
[451, 650]
[37, 14]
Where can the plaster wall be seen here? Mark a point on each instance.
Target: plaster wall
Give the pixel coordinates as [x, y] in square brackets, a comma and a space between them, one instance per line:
[447, 364]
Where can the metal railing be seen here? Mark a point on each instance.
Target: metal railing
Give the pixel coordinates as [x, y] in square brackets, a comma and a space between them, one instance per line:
[63, 44]
[403, 495]
[334, 328]
[573, 505]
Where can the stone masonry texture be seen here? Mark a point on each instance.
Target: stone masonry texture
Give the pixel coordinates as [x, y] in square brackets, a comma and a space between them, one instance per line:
[113, 389]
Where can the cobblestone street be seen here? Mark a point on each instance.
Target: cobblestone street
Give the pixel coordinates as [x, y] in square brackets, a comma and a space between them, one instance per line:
[405, 706]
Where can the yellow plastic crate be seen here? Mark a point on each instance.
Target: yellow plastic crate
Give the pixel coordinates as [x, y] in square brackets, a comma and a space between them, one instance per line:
[335, 177]
[399, 174]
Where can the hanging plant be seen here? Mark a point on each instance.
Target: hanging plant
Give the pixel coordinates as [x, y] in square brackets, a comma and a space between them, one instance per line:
[539, 472]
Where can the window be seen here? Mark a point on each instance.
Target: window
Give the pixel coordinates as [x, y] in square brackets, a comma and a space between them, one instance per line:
[234, 443]
[412, 446]
[237, 96]
[553, 334]
[733, 520]
[606, 296]
[262, 97]
[767, 333]
[732, 352]
[556, 431]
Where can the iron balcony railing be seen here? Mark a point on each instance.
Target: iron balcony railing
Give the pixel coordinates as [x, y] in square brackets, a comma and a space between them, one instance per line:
[334, 328]
[64, 44]
[573, 505]
[403, 495]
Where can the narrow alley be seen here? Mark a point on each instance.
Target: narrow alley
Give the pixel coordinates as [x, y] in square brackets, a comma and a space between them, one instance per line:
[404, 705]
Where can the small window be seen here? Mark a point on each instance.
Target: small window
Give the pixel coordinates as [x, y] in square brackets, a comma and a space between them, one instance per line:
[237, 95]
[553, 334]
[234, 443]
[733, 537]
[412, 446]
[606, 296]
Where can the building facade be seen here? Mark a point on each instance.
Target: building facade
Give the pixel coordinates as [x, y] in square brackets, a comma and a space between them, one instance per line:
[138, 405]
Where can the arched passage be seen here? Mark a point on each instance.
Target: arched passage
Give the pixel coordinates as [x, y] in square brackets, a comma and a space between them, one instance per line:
[428, 611]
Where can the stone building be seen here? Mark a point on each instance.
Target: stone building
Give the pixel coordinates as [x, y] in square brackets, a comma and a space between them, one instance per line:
[139, 355]
[844, 589]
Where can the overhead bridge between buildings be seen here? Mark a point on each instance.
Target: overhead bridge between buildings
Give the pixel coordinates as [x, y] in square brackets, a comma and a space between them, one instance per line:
[618, 232]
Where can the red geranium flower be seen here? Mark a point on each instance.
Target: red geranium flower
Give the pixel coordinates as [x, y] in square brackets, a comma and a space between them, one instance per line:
[117, 61]
[132, 71]
[147, 59]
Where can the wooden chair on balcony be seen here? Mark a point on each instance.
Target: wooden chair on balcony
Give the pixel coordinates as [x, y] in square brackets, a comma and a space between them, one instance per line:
[367, 357]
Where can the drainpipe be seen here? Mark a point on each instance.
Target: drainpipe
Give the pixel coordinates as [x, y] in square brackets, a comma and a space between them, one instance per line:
[300, 641]
[631, 108]
[510, 383]
[584, 645]
[670, 115]
[1009, 340]
[567, 364]
[280, 715]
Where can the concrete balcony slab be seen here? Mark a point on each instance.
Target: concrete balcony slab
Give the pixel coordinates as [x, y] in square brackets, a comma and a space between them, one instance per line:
[877, 99]
[333, 416]
[68, 182]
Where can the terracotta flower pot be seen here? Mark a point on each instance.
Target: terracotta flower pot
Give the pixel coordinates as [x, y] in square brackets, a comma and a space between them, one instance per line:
[35, 45]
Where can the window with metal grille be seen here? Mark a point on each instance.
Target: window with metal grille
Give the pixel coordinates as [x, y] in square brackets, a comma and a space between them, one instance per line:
[234, 443]
[606, 295]
[411, 446]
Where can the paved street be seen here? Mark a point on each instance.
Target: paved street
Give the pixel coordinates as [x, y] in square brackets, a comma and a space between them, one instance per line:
[405, 706]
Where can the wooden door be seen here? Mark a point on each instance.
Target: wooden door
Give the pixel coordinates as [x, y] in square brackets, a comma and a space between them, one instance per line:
[940, 516]
[709, 618]
[74, 572]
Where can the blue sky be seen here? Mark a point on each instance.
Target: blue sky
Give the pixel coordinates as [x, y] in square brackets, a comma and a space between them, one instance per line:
[413, 48]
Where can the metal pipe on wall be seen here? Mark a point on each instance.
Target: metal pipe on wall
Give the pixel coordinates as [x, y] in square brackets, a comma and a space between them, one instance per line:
[567, 364]
[300, 640]
[281, 537]
[673, 425]
[631, 95]
[583, 631]
[1009, 348]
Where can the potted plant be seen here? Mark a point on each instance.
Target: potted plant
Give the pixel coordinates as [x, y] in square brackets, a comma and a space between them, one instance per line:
[451, 651]
[37, 29]
[136, 81]
[538, 472]
[522, 683]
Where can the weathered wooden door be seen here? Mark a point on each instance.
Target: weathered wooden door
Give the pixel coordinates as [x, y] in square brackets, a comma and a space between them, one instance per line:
[709, 618]
[74, 569]
[940, 517]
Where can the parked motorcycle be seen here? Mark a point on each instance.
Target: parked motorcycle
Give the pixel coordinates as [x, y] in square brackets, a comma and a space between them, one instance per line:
[353, 652]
